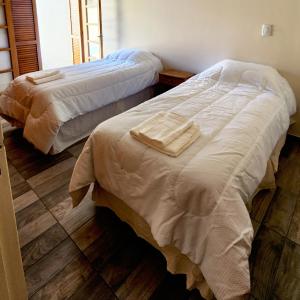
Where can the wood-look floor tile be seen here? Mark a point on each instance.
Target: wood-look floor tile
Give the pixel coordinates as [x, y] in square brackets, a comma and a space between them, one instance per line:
[294, 232]
[11, 169]
[260, 204]
[266, 252]
[50, 265]
[77, 148]
[145, 279]
[53, 184]
[30, 213]
[34, 167]
[33, 221]
[87, 234]
[56, 196]
[288, 176]
[109, 243]
[67, 282]
[281, 211]
[120, 265]
[16, 179]
[195, 295]
[25, 200]
[20, 189]
[287, 285]
[73, 218]
[172, 287]
[256, 227]
[16, 144]
[32, 230]
[49, 173]
[42, 245]
[94, 288]
[22, 155]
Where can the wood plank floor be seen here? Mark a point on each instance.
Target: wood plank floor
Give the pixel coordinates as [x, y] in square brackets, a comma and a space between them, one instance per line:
[88, 253]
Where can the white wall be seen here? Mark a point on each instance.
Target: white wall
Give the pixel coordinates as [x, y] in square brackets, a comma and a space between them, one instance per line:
[111, 23]
[194, 34]
[55, 33]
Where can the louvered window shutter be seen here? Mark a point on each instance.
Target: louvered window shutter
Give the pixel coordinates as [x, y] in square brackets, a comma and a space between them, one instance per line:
[26, 35]
[75, 14]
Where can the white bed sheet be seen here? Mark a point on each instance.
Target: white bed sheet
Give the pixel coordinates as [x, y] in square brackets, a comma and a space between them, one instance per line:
[198, 201]
[43, 109]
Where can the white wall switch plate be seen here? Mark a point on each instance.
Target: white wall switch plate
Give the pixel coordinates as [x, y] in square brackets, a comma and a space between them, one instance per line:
[266, 30]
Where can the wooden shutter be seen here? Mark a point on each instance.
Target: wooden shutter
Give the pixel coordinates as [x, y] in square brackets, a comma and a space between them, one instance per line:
[75, 16]
[7, 25]
[26, 35]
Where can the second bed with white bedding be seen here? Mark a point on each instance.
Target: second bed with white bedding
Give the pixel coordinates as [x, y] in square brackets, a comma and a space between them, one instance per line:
[198, 201]
[43, 109]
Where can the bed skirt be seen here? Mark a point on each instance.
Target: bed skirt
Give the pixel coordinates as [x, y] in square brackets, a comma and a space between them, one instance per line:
[82, 126]
[178, 263]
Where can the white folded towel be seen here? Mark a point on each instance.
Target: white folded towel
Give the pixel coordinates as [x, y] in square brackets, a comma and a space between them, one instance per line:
[43, 77]
[167, 132]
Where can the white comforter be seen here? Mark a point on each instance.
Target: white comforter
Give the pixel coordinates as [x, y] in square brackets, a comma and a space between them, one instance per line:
[197, 201]
[43, 109]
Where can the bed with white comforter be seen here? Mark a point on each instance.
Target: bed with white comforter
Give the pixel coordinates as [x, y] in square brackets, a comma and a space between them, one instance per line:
[198, 201]
[43, 109]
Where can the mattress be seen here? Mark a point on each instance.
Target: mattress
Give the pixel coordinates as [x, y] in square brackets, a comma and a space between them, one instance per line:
[198, 201]
[43, 109]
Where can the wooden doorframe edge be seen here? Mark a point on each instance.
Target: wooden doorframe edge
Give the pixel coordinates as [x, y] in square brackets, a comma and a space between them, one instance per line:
[37, 34]
[82, 32]
[101, 28]
[10, 248]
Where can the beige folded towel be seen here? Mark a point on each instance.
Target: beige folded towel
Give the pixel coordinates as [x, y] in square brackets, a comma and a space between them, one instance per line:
[168, 133]
[46, 79]
[41, 75]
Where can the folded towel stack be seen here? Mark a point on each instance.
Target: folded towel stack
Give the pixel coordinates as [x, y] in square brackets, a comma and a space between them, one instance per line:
[43, 77]
[167, 132]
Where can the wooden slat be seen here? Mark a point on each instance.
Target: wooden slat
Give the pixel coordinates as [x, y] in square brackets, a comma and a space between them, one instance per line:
[3, 26]
[4, 49]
